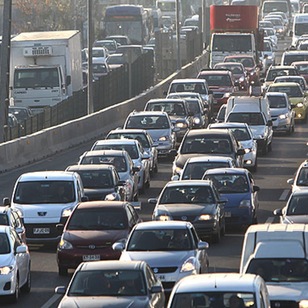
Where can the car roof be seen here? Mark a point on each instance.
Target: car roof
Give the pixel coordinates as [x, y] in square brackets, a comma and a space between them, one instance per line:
[209, 158]
[227, 125]
[204, 131]
[116, 141]
[229, 63]
[276, 94]
[285, 84]
[90, 167]
[232, 282]
[189, 183]
[295, 52]
[101, 204]
[174, 224]
[188, 80]
[215, 72]
[166, 100]
[282, 67]
[111, 265]
[238, 56]
[106, 153]
[251, 108]
[299, 62]
[47, 176]
[148, 113]
[128, 131]
[226, 171]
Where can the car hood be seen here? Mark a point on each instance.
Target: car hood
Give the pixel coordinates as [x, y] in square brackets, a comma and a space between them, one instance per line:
[296, 219]
[277, 111]
[296, 100]
[187, 209]
[157, 133]
[158, 258]
[257, 130]
[94, 237]
[97, 194]
[234, 200]
[287, 291]
[247, 144]
[105, 301]
[6, 259]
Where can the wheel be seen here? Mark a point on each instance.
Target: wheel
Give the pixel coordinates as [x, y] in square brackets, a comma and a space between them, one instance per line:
[62, 271]
[27, 286]
[14, 297]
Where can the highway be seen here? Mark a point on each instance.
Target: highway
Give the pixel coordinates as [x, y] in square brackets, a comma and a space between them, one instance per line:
[273, 171]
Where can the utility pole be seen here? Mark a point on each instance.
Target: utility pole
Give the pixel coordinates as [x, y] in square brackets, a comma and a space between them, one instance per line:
[90, 108]
[178, 39]
[4, 70]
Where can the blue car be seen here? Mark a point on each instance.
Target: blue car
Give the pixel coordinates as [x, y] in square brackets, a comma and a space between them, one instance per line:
[236, 185]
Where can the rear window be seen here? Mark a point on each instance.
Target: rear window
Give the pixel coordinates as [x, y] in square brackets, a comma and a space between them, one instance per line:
[172, 108]
[148, 122]
[131, 149]
[118, 162]
[216, 80]
[249, 118]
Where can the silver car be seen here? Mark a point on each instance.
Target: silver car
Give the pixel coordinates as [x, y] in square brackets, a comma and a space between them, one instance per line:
[172, 249]
[135, 151]
[158, 125]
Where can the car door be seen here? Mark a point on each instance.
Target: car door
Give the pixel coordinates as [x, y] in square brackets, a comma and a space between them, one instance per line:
[133, 177]
[254, 194]
[199, 254]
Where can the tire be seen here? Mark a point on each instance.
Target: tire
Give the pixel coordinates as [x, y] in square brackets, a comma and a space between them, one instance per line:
[14, 297]
[27, 286]
[62, 271]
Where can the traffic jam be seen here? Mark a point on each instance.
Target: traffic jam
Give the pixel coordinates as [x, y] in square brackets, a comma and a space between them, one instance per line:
[145, 216]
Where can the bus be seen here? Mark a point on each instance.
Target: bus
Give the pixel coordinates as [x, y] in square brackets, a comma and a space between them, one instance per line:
[129, 20]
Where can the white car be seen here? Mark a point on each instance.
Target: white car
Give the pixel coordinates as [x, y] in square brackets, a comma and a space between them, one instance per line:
[14, 264]
[300, 181]
[244, 135]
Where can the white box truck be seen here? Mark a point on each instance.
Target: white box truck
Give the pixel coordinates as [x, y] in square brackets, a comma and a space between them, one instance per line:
[45, 68]
[278, 253]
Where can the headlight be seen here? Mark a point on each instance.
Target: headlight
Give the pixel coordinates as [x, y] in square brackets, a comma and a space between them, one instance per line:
[181, 125]
[164, 217]
[300, 105]
[164, 138]
[227, 95]
[303, 303]
[5, 270]
[283, 116]
[247, 150]
[65, 244]
[241, 79]
[252, 73]
[189, 265]
[244, 204]
[66, 212]
[205, 217]
[197, 121]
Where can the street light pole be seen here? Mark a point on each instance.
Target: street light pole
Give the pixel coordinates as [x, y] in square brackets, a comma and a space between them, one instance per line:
[90, 107]
[178, 39]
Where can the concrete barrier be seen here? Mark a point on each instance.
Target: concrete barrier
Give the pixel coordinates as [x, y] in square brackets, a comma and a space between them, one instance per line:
[25, 150]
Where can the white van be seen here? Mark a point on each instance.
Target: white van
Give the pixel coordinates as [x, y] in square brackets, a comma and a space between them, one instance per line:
[45, 199]
[278, 253]
[300, 27]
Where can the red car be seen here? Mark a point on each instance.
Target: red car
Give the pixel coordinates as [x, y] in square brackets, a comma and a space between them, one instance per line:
[252, 68]
[302, 67]
[221, 83]
[92, 229]
[238, 71]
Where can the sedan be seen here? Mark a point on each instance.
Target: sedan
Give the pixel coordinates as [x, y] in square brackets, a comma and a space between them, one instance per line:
[172, 249]
[112, 284]
[196, 201]
[91, 230]
[238, 187]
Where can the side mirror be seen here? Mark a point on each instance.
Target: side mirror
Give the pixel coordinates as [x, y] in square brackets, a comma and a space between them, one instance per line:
[156, 289]
[269, 123]
[6, 201]
[240, 152]
[203, 245]
[60, 227]
[152, 200]
[290, 181]
[84, 198]
[222, 200]
[68, 80]
[255, 188]
[145, 156]
[135, 169]
[117, 246]
[175, 178]
[21, 249]
[277, 212]
[60, 290]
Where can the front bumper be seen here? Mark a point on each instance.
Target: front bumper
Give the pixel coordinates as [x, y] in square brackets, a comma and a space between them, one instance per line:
[7, 284]
[250, 159]
[300, 113]
[164, 148]
[281, 125]
[235, 216]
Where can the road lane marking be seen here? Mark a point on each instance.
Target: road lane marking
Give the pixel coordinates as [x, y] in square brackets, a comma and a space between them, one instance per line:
[284, 195]
[270, 220]
[51, 301]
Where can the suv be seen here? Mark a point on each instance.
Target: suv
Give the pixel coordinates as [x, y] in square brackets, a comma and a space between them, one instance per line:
[219, 142]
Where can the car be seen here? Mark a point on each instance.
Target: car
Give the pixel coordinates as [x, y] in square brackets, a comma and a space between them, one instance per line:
[100, 180]
[196, 201]
[282, 14]
[300, 180]
[158, 125]
[270, 33]
[291, 56]
[298, 98]
[99, 68]
[122, 163]
[278, 24]
[135, 50]
[138, 155]
[296, 210]
[10, 217]
[298, 79]
[172, 249]
[44, 199]
[12, 120]
[91, 231]
[15, 274]
[196, 166]
[244, 135]
[193, 85]
[99, 53]
[112, 283]
[116, 60]
[111, 45]
[199, 142]
[120, 39]
[238, 71]
[144, 139]
[265, 24]
[268, 56]
[177, 110]
[200, 118]
[220, 290]
[221, 83]
[238, 187]
[283, 117]
[302, 67]
[220, 117]
[21, 113]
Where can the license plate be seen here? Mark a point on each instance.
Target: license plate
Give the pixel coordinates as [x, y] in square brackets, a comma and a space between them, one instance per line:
[161, 277]
[227, 214]
[41, 230]
[91, 257]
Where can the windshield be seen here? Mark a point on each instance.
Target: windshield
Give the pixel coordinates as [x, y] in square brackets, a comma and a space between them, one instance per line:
[42, 192]
[36, 78]
[302, 179]
[187, 194]
[109, 45]
[118, 162]
[289, 59]
[137, 136]
[280, 270]
[275, 7]
[277, 101]
[302, 68]
[197, 87]
[160, 240]
[206, 145]
[172, 108]
[217, 80]
[97, 219]
[148, 122]
[232, 43]
[213, 300]
[229, 183]
[301, 28]
[99, 68]
[108, 283]
[249, 118]
[247, 62]
[276, 21]
[235, 69]
[195, 171]
[298, 205]
[131, 149]
[115, 59]
[272, 74]
[5, 247]
[98, 53]
[292, 91]
[96, 178]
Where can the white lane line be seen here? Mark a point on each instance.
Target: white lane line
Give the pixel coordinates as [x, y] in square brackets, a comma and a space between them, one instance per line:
[270, 220]
[284, 195]
[51, 301]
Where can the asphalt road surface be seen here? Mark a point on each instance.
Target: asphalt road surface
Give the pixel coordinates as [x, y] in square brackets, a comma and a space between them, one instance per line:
[273, 171]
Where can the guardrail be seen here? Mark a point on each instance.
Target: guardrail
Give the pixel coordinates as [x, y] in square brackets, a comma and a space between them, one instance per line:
[45, 143]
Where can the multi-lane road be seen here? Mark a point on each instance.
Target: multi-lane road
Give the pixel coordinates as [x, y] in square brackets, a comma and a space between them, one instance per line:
[273, 171]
